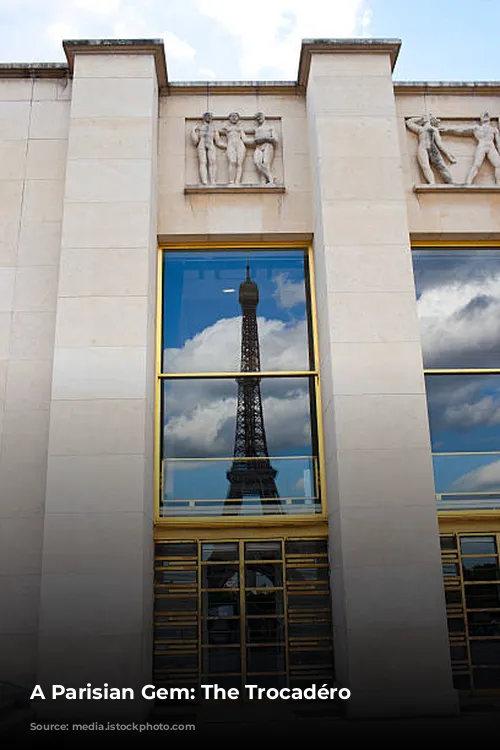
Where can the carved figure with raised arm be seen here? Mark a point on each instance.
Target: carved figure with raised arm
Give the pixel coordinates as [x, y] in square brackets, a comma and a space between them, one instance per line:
[206, 138]
[431, 148]
[488, 145]
[266, 140]
[237, 141]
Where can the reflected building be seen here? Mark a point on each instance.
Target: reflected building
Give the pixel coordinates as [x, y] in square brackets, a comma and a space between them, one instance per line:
[221, 498]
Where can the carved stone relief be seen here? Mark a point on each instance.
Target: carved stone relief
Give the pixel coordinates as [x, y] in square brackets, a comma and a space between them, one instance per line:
[222, 149]
[432, 151]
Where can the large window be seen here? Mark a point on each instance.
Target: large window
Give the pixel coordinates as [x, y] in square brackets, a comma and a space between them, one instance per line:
[458, 299]
[237, 385]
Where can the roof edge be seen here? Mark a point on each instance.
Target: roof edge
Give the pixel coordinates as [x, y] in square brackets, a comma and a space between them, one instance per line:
[332, 46]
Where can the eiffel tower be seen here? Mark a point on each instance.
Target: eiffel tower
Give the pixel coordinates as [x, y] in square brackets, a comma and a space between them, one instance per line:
[255, 477]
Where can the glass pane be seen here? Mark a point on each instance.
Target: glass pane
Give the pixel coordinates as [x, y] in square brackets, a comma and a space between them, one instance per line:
[453, 596]
[263, 551]
[264, 602]
[176, 633]
[265, 630]
[450, 570]
[458, 653]
[467, 481]
[448, 542]
[174, 549]
[309, 630]
[220, 551]
[221, 603]
[221, 660]
[479, 596]
[176, 603]
[311, 657]
[175, 576]
[223, 632]
[480, 569]
[262, 575]
[484, 653]
[178, 662]
[458, 303]
[485, 679]
[202, 296]
[222, 455]
[307, 575]
[220, 576]
[306, 547]
[462, 413]
[484, 623]
[478, 545]
[308, 601]
[266, 659]
[461, 681]
[456, 625]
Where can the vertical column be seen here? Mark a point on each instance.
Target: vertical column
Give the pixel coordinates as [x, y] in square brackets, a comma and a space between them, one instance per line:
[390, 632]
[96, 595]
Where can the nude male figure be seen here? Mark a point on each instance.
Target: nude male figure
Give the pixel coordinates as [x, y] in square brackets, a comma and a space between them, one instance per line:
[237, 141]
[488, 145]
[206, 138]
[431, 148]
[265, 141]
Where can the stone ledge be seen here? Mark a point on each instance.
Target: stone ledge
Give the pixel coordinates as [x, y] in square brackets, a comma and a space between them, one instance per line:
[233, 189]
[456, 188]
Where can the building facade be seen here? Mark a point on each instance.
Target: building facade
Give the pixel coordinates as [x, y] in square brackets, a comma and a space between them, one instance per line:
[249, 371]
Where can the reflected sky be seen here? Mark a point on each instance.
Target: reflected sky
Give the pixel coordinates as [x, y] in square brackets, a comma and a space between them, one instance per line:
[202, 315]
[458, 302]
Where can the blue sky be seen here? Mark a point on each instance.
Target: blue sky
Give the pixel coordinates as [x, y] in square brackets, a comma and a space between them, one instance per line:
[225, 40]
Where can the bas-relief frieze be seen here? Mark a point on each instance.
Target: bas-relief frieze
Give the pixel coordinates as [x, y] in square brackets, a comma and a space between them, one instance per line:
[433, 152]
[222, 147]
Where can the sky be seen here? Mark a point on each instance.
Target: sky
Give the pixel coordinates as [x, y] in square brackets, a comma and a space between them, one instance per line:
[260, 40]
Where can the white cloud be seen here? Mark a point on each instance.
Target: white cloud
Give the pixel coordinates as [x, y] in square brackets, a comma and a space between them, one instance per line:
[208, 73]
[288, 293]
[484, 479]
[270, 33]
[177, 48]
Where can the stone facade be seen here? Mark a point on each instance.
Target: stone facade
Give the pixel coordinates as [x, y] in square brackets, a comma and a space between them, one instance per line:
[95, 158]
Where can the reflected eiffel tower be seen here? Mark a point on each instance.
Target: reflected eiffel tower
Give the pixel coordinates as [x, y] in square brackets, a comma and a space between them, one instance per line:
[254, 477]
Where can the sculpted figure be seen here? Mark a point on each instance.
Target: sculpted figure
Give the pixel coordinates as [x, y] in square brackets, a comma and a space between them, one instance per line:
[265, 141]
[431, 148]
[488, 145]
[237, 141]
[206, 138]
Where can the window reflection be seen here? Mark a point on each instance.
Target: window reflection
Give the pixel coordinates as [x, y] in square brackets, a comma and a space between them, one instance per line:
[458, 302]
[204, 316]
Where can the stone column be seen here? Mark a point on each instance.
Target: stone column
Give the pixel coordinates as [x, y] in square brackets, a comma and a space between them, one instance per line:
[390, 635]
[97, 573]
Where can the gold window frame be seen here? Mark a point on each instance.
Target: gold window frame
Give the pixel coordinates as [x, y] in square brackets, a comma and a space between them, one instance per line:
[314, 375]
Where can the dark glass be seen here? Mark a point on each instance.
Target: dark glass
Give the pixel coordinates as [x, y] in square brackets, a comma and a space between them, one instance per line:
[450, 570]
[267, 681]
[202, 312]
[310, 657]
[175, 576]
[480, 568]
[453, 596]
[220, 576]
[461, 414]
[456, 625]
[265, 630]
[176, 549]
[458, 653]
[448, 542]
[176, 633]
[309, 630]
[306, 547]
[266, 659]
[221, 660]
[484, 653]
[221, 603]
[461, 682]
[264, 602]
[182, 662]
[220, 551]
[303, 600]
[307, 575]
[263, 575]
[263, 551]
[222, 632]
[484, 679]
[176, 603]
[484, 623]
[458, 303]
[478, 545]
[479, 596]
